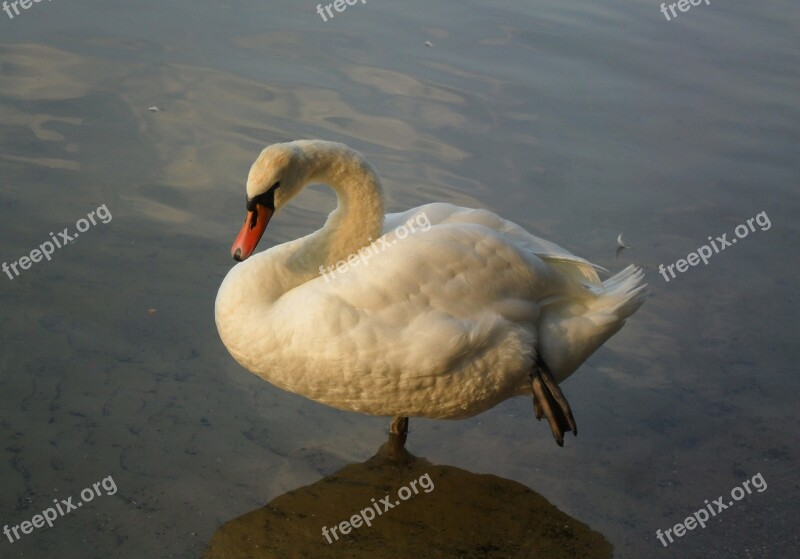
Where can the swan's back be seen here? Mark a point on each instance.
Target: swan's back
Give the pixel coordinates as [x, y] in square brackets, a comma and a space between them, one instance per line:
[442, 213]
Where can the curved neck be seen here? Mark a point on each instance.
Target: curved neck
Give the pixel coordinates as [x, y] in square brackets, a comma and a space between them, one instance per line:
[258, 283]
[358, 218]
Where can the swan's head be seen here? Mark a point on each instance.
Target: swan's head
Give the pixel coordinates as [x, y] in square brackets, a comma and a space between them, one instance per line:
[274, 179]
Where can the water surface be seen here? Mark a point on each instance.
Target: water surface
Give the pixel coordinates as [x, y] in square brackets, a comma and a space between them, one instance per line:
[578, 121]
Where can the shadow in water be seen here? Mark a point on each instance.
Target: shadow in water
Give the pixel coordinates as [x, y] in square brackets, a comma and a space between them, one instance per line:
[454, 513]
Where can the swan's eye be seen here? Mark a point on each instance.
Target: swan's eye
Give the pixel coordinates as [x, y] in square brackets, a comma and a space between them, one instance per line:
[275, 186]
[266, 199]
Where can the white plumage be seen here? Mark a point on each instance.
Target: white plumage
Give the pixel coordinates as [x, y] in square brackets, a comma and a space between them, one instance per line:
[443, 323]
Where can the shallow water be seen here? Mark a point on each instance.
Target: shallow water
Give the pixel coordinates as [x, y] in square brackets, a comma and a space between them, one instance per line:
[578, 121]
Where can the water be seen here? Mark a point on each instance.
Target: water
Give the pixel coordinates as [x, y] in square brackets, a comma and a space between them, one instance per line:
[578, 121]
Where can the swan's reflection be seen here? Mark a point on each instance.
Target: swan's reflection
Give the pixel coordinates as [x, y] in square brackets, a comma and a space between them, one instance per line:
[452, 513]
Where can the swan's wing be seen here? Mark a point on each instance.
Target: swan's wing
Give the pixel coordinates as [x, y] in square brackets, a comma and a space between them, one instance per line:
[457, 267]
[444, 317]
[441, 214]
[447, 266]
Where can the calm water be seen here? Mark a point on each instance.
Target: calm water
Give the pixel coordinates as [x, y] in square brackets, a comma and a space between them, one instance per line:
[577, 120]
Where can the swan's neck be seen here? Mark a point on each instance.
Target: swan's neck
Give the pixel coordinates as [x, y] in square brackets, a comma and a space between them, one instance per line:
[358, 218]
[255, 285]
[355, 223]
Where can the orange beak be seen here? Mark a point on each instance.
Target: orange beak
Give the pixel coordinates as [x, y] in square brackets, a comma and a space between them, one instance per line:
[252, 230]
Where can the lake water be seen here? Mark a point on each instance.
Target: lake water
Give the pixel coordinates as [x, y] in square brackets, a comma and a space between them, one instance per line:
[577, 120]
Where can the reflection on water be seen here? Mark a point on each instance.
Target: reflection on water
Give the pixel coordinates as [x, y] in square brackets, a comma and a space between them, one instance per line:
[454, 513]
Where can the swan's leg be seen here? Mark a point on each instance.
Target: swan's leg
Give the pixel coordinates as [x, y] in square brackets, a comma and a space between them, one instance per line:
[399, 426]
[398, 431]
[549, 401]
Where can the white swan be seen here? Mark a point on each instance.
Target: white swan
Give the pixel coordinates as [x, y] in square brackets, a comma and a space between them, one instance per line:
[451, 312]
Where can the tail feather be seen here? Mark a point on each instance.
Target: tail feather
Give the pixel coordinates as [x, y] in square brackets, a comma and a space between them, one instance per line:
[623, 293]
[571, 330]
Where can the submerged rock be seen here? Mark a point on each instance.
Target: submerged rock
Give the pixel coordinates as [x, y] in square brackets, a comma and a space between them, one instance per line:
[453, 514]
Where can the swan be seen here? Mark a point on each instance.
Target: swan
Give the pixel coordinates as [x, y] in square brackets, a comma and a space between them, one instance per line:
[439, 311]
